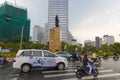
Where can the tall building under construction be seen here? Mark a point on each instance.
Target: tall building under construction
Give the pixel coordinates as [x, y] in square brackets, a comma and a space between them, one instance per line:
[13, 20]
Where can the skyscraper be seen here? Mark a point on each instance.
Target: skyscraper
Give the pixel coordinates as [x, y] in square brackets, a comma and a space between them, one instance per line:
[38, 33]
[60, 8]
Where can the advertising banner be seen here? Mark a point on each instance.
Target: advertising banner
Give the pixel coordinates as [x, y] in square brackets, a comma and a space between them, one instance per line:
[42, 61]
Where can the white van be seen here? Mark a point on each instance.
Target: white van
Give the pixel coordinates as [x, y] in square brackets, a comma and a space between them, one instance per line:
[34, 58]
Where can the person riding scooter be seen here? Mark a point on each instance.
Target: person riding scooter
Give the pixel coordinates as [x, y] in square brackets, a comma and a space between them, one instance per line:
[86, 64]
[105, 56]
[94, 57]
[115, 56]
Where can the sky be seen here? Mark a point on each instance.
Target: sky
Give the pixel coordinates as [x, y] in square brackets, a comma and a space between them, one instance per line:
[87, 18]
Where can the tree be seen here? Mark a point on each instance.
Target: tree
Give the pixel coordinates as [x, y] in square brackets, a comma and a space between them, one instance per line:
[89, 48]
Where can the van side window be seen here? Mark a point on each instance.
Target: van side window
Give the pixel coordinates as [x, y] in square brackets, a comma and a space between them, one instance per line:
[38, 53]
[48, 54]
[25, 53]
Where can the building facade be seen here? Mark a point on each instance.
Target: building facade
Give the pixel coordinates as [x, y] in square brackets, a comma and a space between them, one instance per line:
[98, 41]
[108, 39]
[12, 20]
[46, 34]
[38, 33]
[60, 8]
[89, 43]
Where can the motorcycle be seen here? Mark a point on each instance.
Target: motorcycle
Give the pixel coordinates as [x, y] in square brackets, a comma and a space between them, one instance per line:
[105, 57]
[115, 57]
[84, 71]
[97, 61]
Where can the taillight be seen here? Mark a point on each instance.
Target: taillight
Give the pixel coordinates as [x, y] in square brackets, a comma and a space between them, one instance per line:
[16, 58]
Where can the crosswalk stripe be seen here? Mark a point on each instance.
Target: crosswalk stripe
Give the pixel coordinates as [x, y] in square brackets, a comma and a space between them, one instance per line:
[68, 74]
[99, 76]
[71, 70]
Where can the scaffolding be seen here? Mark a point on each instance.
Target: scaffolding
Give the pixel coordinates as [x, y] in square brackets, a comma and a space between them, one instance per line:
[12, 19]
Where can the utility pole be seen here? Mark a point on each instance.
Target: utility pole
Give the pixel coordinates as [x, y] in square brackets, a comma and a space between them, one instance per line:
[21, 37]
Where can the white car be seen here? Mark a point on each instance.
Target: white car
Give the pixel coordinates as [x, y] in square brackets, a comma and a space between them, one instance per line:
[34, 58]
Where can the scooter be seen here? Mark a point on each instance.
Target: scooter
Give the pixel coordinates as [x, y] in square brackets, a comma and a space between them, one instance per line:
[97, 62]
[115, 58]
[105, 57]
[82, 71]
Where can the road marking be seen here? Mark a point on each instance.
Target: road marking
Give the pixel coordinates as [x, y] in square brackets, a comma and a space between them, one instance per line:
[14, 78]
[69, 70]
[99, 76]
[68, 74]
[14, 75]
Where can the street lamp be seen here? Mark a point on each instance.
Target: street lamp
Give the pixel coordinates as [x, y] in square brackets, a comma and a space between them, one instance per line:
[21, 40]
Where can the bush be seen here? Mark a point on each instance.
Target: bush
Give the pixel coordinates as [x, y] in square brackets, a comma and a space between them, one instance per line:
[102, 53]
[8, 54]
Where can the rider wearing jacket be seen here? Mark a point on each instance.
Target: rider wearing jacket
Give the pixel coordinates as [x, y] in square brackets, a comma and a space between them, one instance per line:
[86, 62]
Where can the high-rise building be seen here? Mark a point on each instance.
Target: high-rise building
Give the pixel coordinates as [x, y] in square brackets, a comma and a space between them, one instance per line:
[38, 33]
[46, 34]
[108, 39]
[13, 20]
[98, 41]
[60, 8]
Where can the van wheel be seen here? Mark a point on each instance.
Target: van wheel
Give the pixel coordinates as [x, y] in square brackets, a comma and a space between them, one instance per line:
[61, 66]
[25, 68]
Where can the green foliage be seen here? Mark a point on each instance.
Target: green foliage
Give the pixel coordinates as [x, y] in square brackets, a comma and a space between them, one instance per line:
[14, 47]
[102, 53]
[8, 54]
[70, 48]
[89, 48]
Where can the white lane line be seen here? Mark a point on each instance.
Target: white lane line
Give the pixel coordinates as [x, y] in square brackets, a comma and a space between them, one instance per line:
[58, 71]
[99, 76]
[14, 78]
[71, 73]
[70, 70]
[102, 71]
[14, 75]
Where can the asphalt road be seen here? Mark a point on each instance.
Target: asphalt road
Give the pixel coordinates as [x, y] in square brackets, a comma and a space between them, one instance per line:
[109, 70]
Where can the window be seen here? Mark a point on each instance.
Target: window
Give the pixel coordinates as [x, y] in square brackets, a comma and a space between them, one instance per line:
[25, 53]
[48, 54]
[38, 53]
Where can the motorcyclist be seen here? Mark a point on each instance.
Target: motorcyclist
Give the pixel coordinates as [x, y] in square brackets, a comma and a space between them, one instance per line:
[94, 56]
[86, 64]
[115, 56]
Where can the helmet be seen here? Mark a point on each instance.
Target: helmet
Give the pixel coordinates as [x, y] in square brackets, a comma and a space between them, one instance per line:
[85, 55]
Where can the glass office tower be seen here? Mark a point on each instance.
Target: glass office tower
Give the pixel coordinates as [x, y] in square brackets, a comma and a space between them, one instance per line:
[60, 8]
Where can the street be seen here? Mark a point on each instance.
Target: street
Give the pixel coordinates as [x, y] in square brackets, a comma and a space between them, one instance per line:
[109, 70]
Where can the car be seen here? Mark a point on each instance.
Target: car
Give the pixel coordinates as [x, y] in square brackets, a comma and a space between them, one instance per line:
[27, 59]
[63, 54]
